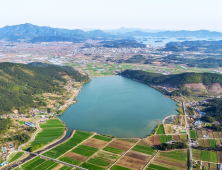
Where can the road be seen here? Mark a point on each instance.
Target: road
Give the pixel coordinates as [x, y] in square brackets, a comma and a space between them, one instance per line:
[189, 139]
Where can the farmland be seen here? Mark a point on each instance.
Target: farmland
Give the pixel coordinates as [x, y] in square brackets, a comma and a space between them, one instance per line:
[38, 164]
[160, 130]
[52, 130]
[77, 138]
[170, 159]
[193, 134]
[16, 156]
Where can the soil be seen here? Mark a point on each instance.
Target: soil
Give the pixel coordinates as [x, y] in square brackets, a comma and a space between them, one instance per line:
[120, 145]
[76, 156]
[129, 165]
[133, 160]
[210, 134]
[176, 137]
[220, 133]
[219, 153]
[201, 142]
[206, 164]
[157, 140]
[215, 88]
[138, 155]
[196, 86]
[96, 143]
[170, 163]
[150, 140]
[199, 133]
[206, 142]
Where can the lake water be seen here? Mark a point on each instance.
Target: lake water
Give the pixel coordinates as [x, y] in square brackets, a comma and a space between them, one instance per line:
[151, 40]
[118, 106]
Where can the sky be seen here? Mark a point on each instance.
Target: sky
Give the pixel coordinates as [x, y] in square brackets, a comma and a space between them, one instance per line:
[113, 14]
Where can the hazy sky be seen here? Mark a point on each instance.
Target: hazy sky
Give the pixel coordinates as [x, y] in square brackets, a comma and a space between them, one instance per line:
[112, 14]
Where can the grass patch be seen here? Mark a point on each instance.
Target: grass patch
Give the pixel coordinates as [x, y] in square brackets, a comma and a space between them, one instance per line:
[162, 138]
[21, 122]
[70, 160]
[117, 167]
[91, 166]
[144, 149]
[160, 129]
[183, 137]
[113, 150]
[169, 138]
[193, 134]
[205, 156]
[16, 156]
[102, 138]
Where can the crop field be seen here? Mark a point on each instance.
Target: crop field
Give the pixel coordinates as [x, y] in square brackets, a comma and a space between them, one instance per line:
[102, 138]
[171, 159]
[201, 142]
[103, 159]
[84, 150]
[91, 166]
[205, 156]
[129, 140]
[157, 140]
[199, 133]
[217, 142]
[117, 167]
[162, 138]
[216, 135]
[113, 150]
[176, 137]
[210, 134]
[153, 166]
[220, 133]
[95, 143]
[70, 160]
[16, 156]
[52, 130]
[77, 138]
[212, 142]
[193, 134]
[121, 145]
[65, 168]
[144, 149]
[169, 138]
[137, 157]
[206, 142]
[39, 164]
[183, 137]
[213, 166]
[150, 140]
[219, 154]
[160, 130]
[196, 154]
[213, 156]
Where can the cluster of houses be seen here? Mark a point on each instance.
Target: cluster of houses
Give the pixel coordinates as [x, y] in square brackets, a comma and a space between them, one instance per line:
[6, 151]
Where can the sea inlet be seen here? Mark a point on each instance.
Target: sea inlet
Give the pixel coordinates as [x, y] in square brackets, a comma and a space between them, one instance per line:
[118, 106]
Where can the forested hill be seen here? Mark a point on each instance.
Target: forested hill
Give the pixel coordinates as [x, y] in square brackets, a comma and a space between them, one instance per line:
[19, 82]
[178, 80]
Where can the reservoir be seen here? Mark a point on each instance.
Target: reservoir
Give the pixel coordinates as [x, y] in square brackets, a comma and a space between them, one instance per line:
[118, 106]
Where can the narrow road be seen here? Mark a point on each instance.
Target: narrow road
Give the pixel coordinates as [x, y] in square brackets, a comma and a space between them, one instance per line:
[188, 134]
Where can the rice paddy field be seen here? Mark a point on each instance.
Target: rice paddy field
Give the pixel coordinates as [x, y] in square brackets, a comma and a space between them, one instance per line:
[52, 130]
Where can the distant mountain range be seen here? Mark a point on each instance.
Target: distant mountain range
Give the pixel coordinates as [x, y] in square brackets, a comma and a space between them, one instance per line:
[34, 33]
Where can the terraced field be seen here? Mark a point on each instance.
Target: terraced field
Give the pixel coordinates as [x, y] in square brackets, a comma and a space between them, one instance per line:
[52, 130]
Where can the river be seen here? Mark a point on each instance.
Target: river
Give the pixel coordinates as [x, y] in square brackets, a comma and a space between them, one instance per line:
[118, 106]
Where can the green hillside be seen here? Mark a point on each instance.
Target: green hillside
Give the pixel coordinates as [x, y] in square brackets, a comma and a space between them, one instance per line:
[178, 80]
[19, 82]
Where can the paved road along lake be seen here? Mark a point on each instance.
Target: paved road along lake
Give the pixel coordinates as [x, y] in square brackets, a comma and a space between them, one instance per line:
[118, 106]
